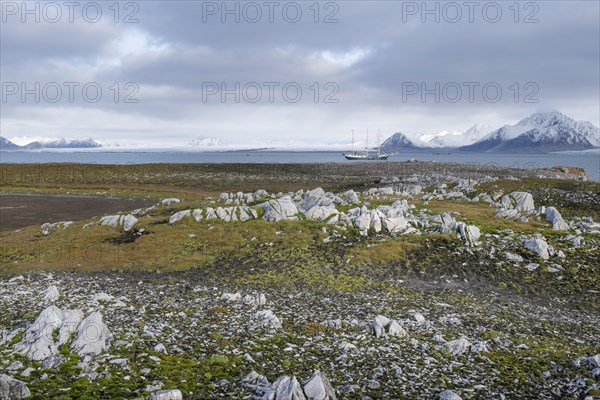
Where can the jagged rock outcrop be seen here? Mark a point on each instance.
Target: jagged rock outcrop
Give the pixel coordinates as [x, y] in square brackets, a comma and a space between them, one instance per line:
[38, 342]
[93, 336]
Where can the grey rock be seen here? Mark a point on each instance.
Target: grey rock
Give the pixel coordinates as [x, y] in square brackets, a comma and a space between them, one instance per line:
[373, 384]
[513, 257]
[395, 329]
[538, 246]
[49, 227]
[178, 216]
[210, 213]
[395, 224]
[279, 209]
[554, 217]
[317, 387]
[268, 318]
[255, 379]
[170, 394]
[129, 222]
[458, 346]
[413, 189]
[449, 395]
[321, 213]
[12, 389]
[93, 336]
[532, 266]
[170, 201]
[38, 343]
[469, 234]
[197, 214]
[419, 318]
[524, 201]
[126, 221]
[51, 294]
[351, 197]
[231, 297]
[287, 388]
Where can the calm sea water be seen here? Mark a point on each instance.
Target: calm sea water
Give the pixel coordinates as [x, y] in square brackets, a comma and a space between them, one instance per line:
[590, 161]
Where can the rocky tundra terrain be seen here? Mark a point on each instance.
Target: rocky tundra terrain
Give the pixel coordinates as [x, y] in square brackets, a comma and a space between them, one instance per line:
[417, 287]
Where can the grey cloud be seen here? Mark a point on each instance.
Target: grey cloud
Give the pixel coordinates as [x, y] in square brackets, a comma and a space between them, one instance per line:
[560, 54]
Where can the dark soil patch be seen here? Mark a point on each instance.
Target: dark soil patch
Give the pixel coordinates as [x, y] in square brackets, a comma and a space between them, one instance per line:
[21, 210]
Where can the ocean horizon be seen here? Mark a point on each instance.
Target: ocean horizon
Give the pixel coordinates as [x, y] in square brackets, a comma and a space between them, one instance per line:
[588, 160]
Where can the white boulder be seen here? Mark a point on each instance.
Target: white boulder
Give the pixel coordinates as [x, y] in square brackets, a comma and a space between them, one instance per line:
[317, 387]
[538, 246]
[178, 216]
[93, 336]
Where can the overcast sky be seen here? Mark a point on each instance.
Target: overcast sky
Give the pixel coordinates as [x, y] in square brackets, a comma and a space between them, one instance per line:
[358, 64]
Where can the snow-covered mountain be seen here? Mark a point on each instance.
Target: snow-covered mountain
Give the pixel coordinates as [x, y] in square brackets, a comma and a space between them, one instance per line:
[6, 144]
[204, 141]
[456, 138]
[539, 133]
[63, 143]
[399, 141]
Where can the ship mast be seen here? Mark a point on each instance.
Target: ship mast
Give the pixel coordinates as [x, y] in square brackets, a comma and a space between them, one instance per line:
[367, 148]
[378, 143]
[352, 141]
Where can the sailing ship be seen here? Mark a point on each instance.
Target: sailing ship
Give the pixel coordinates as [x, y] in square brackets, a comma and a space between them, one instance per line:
[365, 155]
